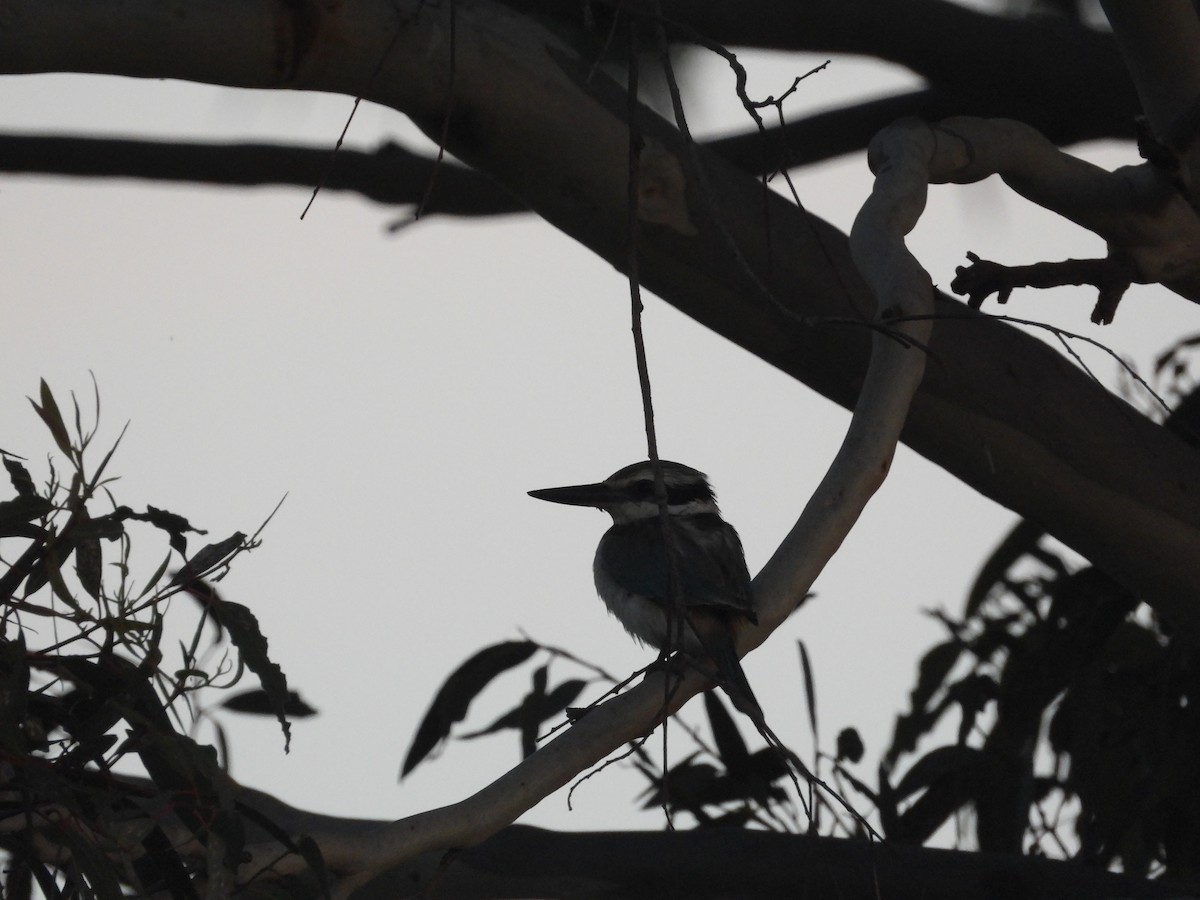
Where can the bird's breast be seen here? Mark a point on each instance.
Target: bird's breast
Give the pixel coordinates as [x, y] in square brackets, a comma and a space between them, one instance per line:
[644, 618]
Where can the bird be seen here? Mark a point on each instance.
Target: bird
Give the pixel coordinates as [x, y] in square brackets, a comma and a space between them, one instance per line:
[634, 571]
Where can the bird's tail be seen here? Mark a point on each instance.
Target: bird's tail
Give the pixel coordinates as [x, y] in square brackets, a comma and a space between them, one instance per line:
[718, 643]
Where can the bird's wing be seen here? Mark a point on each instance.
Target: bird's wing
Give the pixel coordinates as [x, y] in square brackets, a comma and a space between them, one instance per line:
[709, 563]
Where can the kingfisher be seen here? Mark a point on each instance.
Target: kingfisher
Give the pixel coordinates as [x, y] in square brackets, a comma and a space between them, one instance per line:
[634, 567]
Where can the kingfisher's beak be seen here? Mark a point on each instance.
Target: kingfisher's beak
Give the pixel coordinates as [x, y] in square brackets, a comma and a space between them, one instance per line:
[598, 495]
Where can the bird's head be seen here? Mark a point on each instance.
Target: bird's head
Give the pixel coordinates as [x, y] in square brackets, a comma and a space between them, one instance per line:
[628, 494]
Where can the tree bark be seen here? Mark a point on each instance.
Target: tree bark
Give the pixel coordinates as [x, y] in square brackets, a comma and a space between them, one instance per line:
[523, 861]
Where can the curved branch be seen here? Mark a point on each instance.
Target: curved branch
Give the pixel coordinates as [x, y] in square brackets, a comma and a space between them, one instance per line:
[900, 158]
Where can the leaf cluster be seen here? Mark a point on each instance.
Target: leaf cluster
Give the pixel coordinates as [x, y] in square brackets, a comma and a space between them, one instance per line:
[1077, 722]
[86, 686]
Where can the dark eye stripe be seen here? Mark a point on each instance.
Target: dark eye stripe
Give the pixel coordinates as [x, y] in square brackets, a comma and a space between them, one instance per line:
[679, 494]
[642, 489]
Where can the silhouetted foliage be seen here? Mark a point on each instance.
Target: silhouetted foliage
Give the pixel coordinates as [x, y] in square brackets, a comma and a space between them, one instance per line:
[85, 683]
[1077, 726]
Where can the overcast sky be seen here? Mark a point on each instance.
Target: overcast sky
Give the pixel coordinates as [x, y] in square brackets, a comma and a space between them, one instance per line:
[405, 391]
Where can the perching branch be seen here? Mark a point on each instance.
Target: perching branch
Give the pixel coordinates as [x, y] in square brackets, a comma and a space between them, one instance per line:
[903, 292]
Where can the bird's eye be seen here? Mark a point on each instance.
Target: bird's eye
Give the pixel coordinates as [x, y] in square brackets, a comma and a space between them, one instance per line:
[643, 490]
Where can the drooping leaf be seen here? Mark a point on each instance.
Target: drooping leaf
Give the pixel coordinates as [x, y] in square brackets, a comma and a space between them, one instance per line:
[857, 784]
[687, 785]
[932, 672]
[21, 480]
[849, 745]
[810, 689]
[157, 576]
[245, 634]
[208, 557]
[951, 762]
[51, 415]
[730, 746]
[454, 697]
[950, 777]
[311, 851]
[1017, 543]
[108, 527]
[89, 559]
[51, 571]
[770, 763]
[259, 702]
[757, 781]
[529, 718]
[51, 560]
[694, 786]
[535, 708]
[174, 525]
[16, 514]
[887, 803]
[558, 699]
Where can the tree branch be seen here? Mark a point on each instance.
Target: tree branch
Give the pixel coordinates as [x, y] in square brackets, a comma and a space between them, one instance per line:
[522, 861]
[713, 863]
[390, 174]
[1152, 231]
[1034, 68]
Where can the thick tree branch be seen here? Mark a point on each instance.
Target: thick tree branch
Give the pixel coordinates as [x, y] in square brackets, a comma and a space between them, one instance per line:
[1035, 69]
[968, 58]
[717, 863]
[521, 861]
